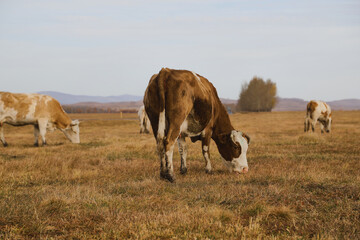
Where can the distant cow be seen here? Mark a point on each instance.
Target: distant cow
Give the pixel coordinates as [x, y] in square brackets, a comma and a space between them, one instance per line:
[318, 111]
[44, 112]
[181, 104]
[144, 120]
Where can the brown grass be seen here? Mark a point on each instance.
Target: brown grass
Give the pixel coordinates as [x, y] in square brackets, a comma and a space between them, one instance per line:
[300, 186]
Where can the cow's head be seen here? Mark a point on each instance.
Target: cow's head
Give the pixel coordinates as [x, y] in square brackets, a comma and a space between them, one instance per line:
[235, 156]
[327, 124]
[73, 131]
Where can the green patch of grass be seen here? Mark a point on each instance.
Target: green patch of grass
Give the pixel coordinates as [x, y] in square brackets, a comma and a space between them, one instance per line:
[266, 180]
[54, 207]
[253, 210]
[10, 157]
[279, 221]
[93, 144]
[310, 139]
[130, 154]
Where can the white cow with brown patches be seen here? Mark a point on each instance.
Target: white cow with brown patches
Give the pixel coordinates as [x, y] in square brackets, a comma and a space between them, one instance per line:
[182, 104]
[318, 111]
[44, 112]
[144, 120]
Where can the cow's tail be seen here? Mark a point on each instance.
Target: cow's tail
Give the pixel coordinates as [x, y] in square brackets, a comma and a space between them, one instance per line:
[310, 108]
[162, 79]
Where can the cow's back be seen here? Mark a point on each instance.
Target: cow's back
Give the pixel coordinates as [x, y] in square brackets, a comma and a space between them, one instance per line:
[16, 107]
[316, 109]
[19, 108]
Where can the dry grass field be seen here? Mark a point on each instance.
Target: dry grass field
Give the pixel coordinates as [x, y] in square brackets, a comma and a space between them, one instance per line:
[299, 186]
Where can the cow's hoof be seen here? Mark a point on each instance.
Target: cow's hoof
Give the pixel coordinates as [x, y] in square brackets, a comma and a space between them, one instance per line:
[183, 171]
[208, 171]
[36, 144]
[5, 144]
[167, 176]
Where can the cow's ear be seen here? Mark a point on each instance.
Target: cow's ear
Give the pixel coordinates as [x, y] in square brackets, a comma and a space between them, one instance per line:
[233, 136]
[247, 137]
[223, 137]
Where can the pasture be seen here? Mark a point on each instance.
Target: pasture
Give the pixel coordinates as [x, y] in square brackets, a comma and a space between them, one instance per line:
[299, 186]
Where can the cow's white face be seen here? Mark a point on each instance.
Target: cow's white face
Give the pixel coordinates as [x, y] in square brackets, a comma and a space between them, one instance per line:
[239, 164]
[73, 132]
[327, 125]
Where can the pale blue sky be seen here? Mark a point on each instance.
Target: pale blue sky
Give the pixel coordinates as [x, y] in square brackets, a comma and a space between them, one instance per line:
[311, 49]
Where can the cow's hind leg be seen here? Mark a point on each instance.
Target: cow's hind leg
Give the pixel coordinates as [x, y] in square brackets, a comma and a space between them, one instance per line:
[42, 129]
[166, 167]
[183, 153]
[2, 135]
[166, 149]
[172, 134]
[306, 124]
[313, 123]
[36, 135]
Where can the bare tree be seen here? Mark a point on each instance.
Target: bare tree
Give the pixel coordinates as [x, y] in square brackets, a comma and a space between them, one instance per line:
[257, 96]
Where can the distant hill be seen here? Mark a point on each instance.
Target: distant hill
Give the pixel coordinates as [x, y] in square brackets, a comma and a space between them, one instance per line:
[95, 107]
[290, 104]
[346, 104]
[116, 103]
[296, 104]
[65, 98]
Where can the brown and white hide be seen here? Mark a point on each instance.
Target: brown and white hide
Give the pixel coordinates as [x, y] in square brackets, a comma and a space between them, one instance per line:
[318, 111]
[44, 112]
[181, 104]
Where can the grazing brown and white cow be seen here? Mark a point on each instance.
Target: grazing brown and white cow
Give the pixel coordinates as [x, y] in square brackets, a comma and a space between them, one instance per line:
[44, 112]
[181, 104]
[144, 120]
[318, 111]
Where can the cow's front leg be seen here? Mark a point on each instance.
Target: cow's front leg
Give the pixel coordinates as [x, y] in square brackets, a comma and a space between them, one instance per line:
[322, 127]
[205, 143]
[42, 123]
[2, 135]
[183, 153]
[141, 125]
[36, 135]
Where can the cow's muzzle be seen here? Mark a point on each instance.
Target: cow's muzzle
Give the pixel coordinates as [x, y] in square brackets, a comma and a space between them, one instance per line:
[244, 170]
